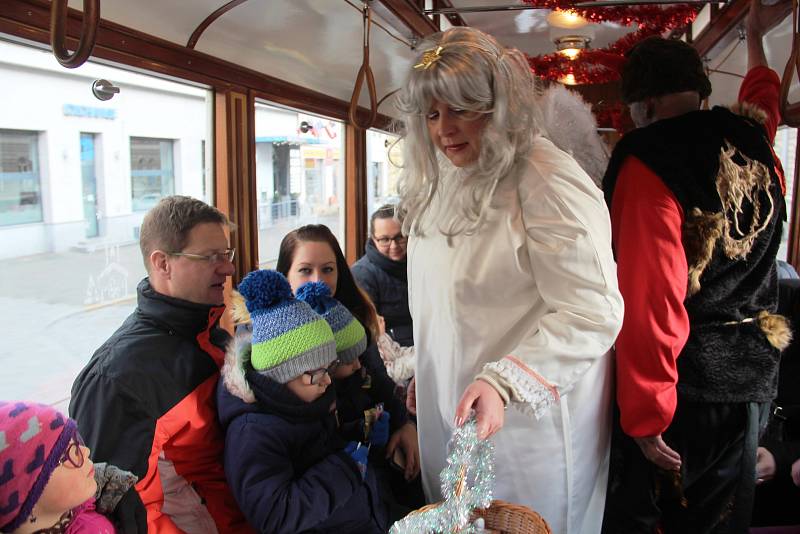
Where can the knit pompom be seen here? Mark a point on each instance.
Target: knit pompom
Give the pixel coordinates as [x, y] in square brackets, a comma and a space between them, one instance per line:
[317, 295]
[264, 288]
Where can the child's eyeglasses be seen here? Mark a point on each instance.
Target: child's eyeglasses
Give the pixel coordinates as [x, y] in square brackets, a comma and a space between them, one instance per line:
[317, 374]
[74, 453]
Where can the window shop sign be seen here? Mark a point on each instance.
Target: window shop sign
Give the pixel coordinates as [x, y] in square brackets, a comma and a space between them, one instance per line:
[72, 110]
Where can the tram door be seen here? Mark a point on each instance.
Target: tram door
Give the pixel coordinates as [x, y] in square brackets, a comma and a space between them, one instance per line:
[89, 179]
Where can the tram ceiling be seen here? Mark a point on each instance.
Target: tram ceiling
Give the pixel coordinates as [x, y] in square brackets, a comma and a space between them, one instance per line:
[316, 44]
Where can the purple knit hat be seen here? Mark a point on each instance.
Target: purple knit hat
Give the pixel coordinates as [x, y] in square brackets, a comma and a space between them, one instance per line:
[33, 438]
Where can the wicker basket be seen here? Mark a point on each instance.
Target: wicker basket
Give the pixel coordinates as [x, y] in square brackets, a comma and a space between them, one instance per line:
[505, 518]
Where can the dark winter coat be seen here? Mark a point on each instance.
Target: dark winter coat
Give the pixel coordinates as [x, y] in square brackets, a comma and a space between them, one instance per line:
[783, 437]
[776, 500]
[386, 283]
[284, 460]
[363, 390]
[149, 392]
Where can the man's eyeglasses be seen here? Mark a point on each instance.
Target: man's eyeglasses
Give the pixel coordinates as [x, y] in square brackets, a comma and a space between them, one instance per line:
[217, 257]
[384, 241]
[317, 374]
[74, 453]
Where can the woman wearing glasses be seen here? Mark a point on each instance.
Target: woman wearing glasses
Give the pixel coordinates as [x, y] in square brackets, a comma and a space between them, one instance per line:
[284, 460]
[47, 481]
[381, 272]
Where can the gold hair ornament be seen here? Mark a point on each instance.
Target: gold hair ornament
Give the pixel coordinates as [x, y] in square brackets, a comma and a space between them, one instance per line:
[429, 58]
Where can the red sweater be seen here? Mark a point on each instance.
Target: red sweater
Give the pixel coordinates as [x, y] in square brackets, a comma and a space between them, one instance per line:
[646, 222]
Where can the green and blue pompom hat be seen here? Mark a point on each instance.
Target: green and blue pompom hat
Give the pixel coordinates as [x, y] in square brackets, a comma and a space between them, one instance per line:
[349, 333]
[289, 337]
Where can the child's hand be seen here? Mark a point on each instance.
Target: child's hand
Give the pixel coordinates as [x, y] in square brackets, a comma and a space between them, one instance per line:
[359, 454]
[379, 433]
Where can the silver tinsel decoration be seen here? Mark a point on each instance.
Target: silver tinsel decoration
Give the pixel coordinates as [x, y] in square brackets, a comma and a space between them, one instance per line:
[467, 484]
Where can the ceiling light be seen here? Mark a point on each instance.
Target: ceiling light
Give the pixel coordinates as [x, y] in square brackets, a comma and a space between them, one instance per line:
[572, 45]
[566, 19]
[569, 79]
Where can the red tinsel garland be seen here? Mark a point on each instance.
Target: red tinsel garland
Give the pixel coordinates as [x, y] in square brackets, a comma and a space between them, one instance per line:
[610, 116]
[602, 65]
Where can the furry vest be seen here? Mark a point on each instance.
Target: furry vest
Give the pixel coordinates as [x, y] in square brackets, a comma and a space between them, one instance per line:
[720, 168]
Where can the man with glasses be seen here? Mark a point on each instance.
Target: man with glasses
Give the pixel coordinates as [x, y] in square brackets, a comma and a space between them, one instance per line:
[381, 272]
[145, 401]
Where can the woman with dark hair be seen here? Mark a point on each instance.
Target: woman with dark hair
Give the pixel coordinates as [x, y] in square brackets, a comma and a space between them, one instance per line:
[335, 273]
[311, 253]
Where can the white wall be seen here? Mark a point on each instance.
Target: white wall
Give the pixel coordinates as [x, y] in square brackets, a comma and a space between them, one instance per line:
[34, 91]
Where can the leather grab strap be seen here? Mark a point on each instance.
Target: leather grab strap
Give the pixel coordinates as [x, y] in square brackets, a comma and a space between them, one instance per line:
[364, 74]
[58, 32]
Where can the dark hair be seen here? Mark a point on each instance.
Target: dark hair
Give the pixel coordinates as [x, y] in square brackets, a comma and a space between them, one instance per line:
[166, 227]
[347, 291]
[658, 66]
[387, 211]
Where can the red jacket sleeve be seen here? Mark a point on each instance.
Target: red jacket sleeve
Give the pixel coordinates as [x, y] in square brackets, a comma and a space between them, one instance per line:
[761, 87]
[646, 223]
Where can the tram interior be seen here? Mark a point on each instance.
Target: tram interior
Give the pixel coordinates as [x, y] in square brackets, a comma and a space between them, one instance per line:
[249, 110]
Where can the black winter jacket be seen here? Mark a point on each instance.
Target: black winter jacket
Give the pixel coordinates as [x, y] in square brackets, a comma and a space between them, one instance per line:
[386, 283]
[149, 392]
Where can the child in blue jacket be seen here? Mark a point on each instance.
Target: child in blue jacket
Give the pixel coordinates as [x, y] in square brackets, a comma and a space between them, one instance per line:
[285, 461]
[368, 409]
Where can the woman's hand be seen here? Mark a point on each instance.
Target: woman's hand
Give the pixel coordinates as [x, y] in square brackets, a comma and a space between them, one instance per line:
[488, 406]
[765, 465]
[761, 19]
[406, 438]
[381, 325]
[411, 396]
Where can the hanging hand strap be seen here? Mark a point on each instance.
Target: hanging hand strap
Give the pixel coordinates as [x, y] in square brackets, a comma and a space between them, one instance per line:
[791, 66]
[58, 32]
[365, 73]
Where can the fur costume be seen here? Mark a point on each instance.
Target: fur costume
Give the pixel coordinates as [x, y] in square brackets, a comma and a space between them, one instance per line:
[720, 168]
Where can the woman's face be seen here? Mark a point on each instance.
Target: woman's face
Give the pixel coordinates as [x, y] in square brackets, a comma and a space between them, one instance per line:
[314, 261]
[69, 486]
[456, 132]
[389, 239]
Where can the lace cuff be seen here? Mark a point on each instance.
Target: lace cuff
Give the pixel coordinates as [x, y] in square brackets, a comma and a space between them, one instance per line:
[529, 390]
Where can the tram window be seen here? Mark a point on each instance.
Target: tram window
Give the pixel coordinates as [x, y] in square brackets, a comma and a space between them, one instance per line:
[151, 172]
[76, 178]
[299, 176]
[20, 199]
[785, 148]
[384, 158]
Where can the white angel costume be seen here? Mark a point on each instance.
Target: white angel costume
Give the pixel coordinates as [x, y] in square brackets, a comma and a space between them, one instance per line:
[529, 303]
